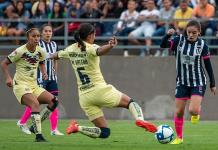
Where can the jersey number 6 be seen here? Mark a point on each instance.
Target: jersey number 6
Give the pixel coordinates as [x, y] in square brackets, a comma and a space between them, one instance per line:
[84, 78]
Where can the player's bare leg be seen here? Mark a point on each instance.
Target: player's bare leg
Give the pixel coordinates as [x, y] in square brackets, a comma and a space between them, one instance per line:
[31, 101]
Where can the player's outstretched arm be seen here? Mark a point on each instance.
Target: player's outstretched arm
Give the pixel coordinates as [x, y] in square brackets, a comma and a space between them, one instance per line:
[106, 48]
[52, 56]
[4, 66]
[165, 41]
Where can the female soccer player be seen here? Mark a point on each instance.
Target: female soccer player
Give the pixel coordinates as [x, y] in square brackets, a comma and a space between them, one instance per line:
[94, 92]
[27, 59]
[191, 78]
[50, 84]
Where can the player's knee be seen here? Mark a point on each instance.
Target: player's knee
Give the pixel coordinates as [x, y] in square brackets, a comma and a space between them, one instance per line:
[54, 104]
[35, 106]
[179, 113]
[105, 132]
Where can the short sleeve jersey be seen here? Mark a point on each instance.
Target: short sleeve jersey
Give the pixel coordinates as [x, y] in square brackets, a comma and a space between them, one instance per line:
[26, 63]
[86, 65]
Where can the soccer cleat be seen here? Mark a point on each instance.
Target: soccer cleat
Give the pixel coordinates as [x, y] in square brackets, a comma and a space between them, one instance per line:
[56, 132]
[23, 127]
[146, 125]
[40, 138]
[195, 119]
[177, 141]
[73, 127]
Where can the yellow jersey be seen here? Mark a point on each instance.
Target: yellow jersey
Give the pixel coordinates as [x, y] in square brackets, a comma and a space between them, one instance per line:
[26, 64]
[86, 65]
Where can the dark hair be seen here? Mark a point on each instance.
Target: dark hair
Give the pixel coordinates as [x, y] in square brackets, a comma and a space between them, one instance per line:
[183, 1]
[38, 13]
[81, 34]
[22, 11]
[30, 27]
[45, 25]
[192, 23]
[60, 13]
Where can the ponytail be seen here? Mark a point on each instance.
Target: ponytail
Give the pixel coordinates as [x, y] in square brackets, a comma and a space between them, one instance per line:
[82, 33]
[78, 39]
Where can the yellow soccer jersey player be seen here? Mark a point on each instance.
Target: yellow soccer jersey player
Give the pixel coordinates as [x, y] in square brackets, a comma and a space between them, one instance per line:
[26, 63]
[89, 78]
[27, 59]
[85, 64]
[94, 93]
[26, 70]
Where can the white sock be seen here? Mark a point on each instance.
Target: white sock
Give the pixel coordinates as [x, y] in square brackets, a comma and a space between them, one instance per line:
[45, 113]
[36, 120]
[136, 111]
[93, 132]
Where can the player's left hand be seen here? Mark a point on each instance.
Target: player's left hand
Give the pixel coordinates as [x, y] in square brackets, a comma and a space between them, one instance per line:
[213, 90]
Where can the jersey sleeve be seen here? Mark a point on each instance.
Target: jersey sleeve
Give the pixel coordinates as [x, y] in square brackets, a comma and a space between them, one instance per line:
[174, 42]
[14, 56]
[170, 42]
[43, 54]
[93, 49]
[63, 53]
[205, 52]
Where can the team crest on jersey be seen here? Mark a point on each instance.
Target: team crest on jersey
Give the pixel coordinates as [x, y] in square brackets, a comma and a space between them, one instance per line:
[198, 50]
[32, 59]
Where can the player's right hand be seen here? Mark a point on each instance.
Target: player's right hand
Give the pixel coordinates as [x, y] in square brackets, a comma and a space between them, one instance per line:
[171, 32]
[9, 82]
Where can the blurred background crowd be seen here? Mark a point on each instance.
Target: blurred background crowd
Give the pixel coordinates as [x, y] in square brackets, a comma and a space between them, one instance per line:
[138, 21]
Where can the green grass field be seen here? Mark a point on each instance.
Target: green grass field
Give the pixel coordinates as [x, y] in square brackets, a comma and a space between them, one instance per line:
[124, 136]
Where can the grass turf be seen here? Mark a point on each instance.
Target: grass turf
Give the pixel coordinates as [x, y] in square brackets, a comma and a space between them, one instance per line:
[124, 136]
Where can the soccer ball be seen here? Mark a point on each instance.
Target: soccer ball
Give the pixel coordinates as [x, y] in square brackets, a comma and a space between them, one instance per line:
[164, 134]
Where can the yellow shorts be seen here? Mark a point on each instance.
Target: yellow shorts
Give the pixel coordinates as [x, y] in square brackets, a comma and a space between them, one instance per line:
[24, 88]
[102, 96]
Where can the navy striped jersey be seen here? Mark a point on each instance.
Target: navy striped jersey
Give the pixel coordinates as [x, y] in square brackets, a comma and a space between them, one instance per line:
[189, 55]
[51, 48]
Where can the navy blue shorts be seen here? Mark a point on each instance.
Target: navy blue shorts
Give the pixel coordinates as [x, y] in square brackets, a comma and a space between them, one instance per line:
[51, 86]
[185, 92]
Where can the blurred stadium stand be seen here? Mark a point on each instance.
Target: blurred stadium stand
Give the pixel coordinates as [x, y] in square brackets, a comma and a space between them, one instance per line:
[7, 43]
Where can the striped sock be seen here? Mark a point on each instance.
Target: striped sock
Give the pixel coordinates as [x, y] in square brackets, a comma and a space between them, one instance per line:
[36, 120]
